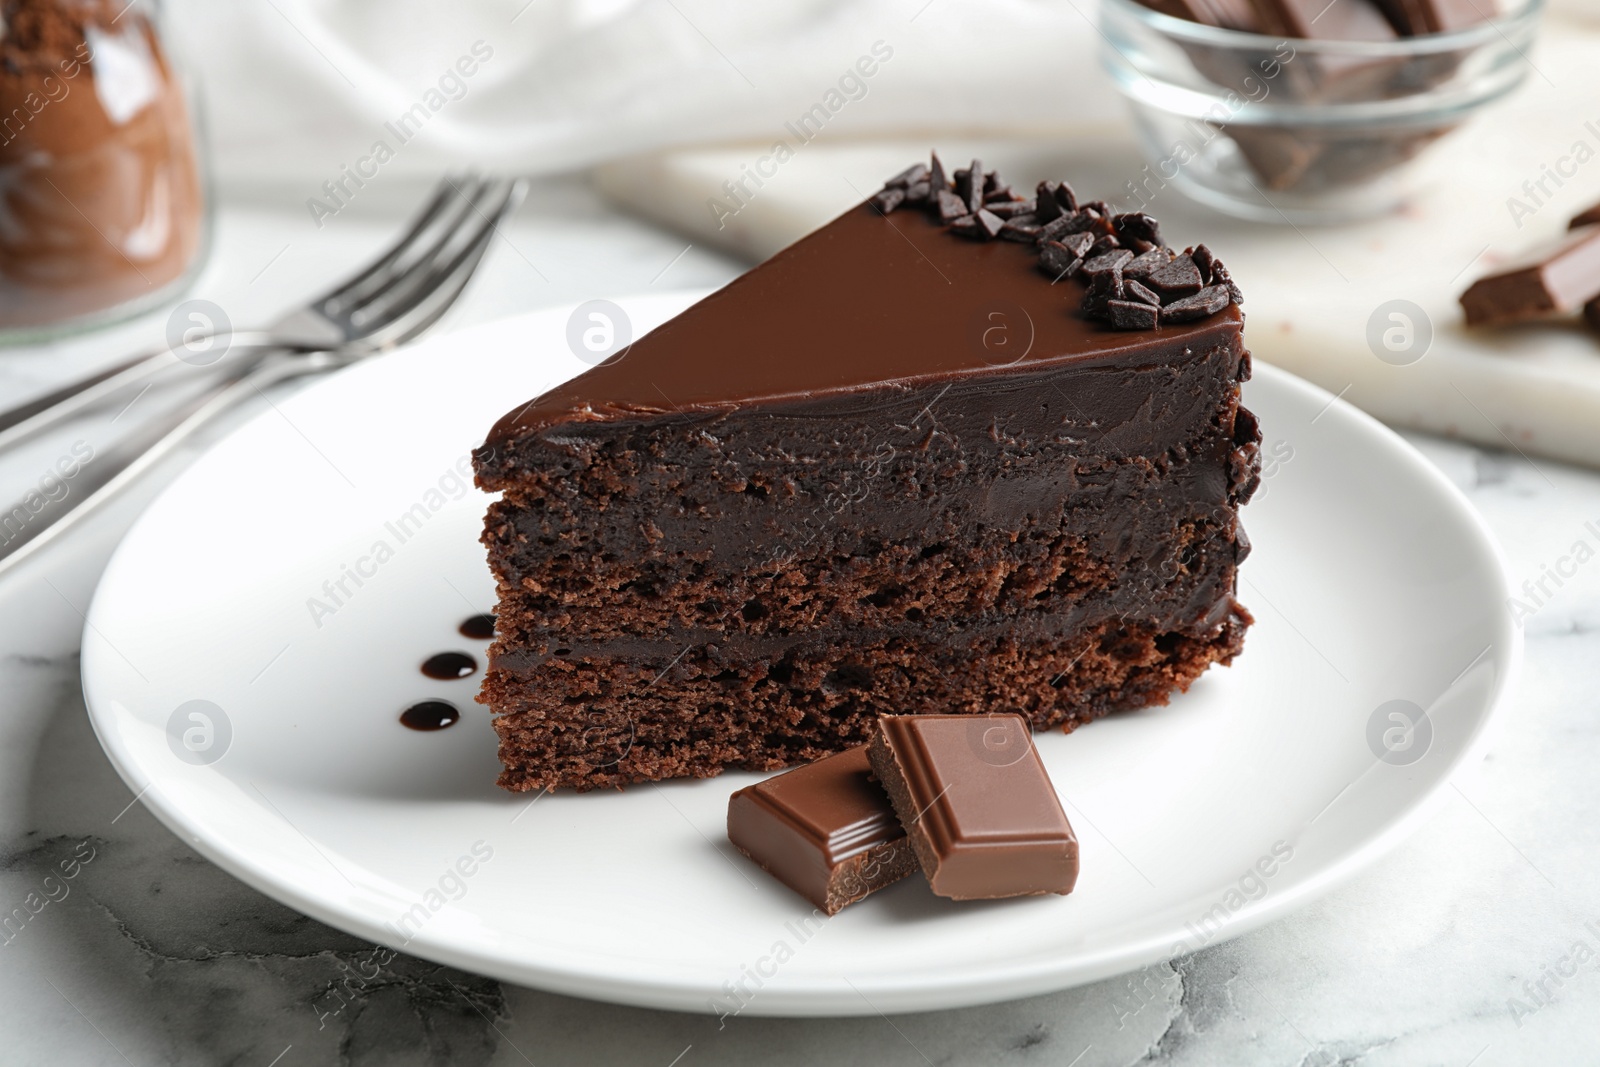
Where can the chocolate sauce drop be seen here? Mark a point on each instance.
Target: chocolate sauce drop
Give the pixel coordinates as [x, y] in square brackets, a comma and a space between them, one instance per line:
[449, 666]
[429, 715]
[479, 627]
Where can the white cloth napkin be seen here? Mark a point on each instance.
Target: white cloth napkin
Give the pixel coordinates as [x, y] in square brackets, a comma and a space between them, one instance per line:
[299, 90]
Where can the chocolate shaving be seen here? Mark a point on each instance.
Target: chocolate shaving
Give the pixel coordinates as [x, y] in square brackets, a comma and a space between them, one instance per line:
[886, 200]
[969, 186]
[1137, 226]
[908, 177]
[1105, 243]
[950, 206]
[1046, 206]
[1011, 209]
[1106, 262]
[1019, 230]
[1177, 279]
[1205, 303]
[967, 226]
[1130, 315]
[1057, 260]
[1139, 292]
[1146, 262]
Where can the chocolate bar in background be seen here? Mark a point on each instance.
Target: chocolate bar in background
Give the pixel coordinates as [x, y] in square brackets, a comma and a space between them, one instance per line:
[1591, 314]
[1413, 18]
[825, 830]
[977, 804]
[1556, 280]
[1586, 217]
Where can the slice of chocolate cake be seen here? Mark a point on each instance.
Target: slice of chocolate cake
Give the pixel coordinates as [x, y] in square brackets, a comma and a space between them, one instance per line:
[957, 451]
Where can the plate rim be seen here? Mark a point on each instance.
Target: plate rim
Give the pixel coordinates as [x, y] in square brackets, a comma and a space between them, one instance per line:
[820, 996]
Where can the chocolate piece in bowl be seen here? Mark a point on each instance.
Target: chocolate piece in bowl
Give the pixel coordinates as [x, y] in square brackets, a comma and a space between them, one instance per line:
[1229, 14]
[1555, 280]
[825, 830]
[977, 804]
[890, 467]
[1417, 17]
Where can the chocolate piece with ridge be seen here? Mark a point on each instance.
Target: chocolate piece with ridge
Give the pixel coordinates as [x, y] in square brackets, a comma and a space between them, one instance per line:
[1556, 280]
[977, 804]
[1586, 217]
[825, 830]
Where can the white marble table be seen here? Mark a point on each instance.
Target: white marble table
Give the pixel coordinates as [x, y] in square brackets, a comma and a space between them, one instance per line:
[150, 955]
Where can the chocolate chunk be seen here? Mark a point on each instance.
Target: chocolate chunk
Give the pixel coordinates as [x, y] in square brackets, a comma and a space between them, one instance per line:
[1144, 263]
[949, 205]
[1079, 243]
[1555, 280]
[936, 176]
[1066, 198]
[969, 186]
[989, 222]
[1004, 194]
[908, 177]
[1020, 229]
[825, 830]
[1106, 242]
[917, 193]
[977, 805]
[967, 226]
[1138, 291]
[1131, 226]
[1177, 279]
[1202, 259]
[1586, 217]
[1205, 303]
[1046, 206]
[1220, 276]
[1103, 288]
[1132, 314]
[1057, 260]
[888, 199]
[1010, 209]
[1106, 262]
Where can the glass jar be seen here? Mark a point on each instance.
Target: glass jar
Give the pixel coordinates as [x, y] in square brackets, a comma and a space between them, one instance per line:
[102, 198]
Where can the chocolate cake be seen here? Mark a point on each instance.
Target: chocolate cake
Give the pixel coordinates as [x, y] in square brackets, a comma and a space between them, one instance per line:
[958, 451]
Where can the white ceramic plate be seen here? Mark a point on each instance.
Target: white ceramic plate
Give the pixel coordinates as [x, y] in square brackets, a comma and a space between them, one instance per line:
[1372, 582]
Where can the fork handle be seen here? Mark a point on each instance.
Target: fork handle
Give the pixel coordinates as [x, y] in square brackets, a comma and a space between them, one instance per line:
[25, 531]
[29, 419]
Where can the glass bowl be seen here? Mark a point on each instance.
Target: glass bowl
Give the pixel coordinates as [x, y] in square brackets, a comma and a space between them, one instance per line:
[1276, 129]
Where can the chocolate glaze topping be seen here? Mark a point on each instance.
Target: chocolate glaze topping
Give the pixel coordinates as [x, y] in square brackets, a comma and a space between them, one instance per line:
[895, 289]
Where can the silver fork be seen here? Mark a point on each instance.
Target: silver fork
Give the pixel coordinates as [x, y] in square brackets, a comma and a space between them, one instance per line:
[109, 476]
[375, 307]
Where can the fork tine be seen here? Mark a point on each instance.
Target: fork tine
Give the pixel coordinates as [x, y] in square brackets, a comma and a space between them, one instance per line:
[444, 192]
[418, 283]
[454, 216]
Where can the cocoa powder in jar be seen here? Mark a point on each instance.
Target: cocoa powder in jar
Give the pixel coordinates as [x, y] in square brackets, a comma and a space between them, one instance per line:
[101, 200]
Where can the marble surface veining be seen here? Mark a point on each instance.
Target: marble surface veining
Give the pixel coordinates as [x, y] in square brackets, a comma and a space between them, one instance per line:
[1475, 943]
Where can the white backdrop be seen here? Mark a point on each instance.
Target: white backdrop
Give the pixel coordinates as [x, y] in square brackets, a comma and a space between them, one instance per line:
[297, 89]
